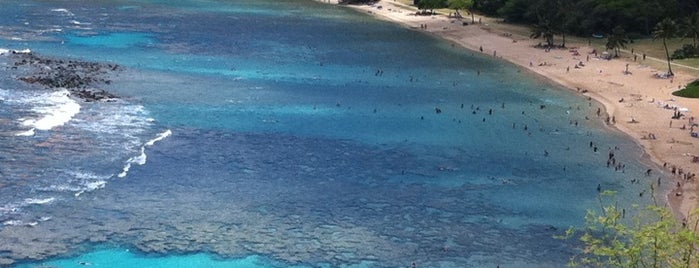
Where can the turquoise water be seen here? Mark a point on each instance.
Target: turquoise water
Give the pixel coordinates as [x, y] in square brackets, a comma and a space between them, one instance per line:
[113, 40]
[125, 258]
[290, 134]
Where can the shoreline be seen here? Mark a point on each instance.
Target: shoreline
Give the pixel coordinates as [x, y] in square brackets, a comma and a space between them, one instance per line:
[635, 100]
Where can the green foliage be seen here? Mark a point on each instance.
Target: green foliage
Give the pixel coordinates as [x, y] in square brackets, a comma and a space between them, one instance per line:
[430, 4]
[585, 17]
[617, 40]
[690, 28]
[686, 51]
[543, 29]
[456, 5]
[488, 7]
[650, 238]
[460, 4]
[691, 91]
[516, 11]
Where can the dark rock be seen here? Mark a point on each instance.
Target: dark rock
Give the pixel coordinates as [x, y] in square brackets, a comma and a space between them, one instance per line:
[79, 77]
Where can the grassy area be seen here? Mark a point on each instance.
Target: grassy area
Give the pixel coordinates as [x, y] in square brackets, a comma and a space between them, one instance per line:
[690, 62]
[691, 91]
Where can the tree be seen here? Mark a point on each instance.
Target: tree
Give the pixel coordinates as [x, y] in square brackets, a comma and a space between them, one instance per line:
[516, 11]
[690, 28]
[617, 40]
[564, 14]
[551, 18]
[651, 238]
[488, 7]
[429, 4]
[462, 4]
[543, 29]
[666, 29]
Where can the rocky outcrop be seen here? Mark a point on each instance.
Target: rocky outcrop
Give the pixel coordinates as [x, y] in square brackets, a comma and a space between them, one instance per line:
[79, 77]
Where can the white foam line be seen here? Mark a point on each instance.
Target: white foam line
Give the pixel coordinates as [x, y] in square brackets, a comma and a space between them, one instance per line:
[142, 157]
[12, 223]
[26, 133]
[160, 137]
[63, 10]
[36, 201]
[61, 110]
[5, 51]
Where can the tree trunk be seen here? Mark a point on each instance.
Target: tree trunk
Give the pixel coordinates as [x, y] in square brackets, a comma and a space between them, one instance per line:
[473, 20]
[549, 40]
[667, 54]
[564, 39]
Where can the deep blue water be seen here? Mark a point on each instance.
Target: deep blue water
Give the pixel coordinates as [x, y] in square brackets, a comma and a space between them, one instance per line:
[280, 133]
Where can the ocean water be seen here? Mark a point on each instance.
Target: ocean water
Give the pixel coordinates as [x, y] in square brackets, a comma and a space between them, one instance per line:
[289, 134]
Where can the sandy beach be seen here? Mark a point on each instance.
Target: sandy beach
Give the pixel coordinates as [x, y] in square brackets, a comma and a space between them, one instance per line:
[637, 102]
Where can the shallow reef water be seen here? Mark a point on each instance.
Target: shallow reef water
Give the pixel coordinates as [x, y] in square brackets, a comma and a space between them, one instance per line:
[288, 134]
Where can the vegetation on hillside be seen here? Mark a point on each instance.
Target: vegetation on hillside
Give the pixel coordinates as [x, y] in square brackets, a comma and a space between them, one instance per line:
[612, 237]
[619, 21]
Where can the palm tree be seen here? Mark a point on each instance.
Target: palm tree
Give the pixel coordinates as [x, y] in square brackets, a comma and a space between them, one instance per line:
[690, 28]
[617, 40]
[664, 30]
[543, 29]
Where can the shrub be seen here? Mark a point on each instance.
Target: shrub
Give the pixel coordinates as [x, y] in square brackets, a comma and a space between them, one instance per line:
[687, 51]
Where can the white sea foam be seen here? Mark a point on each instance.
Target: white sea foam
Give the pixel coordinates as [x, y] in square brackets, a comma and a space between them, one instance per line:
[118, 118]
[75, 22]
[5, 51]
[8, 208]
[94, 185]
[85, 182]
[12, 223]
[91, 186]
[160, 137]
[142, 157]
[37, 201]
[61, 188]
[55, 109]
[63, 10]
[19, 223]
[27, 133]
[125, 170]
